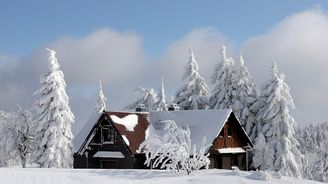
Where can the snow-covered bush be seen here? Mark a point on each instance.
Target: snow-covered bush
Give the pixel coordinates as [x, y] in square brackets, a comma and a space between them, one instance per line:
[174, 151]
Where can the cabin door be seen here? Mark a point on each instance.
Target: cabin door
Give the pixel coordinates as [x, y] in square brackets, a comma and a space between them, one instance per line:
[108, 164]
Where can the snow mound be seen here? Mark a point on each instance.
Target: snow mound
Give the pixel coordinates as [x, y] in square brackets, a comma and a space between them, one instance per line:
[129, 121]
[260, 175]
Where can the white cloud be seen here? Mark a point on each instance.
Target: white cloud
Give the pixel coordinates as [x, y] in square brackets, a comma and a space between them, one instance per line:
[299, 45]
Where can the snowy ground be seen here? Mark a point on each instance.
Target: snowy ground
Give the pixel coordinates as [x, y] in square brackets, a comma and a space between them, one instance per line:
[67, 176]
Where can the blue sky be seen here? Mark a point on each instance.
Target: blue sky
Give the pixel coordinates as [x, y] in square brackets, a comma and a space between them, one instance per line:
[28, 25]
[127, 44]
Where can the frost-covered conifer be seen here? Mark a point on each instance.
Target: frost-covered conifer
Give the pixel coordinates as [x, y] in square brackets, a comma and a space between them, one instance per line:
[222, 94]
[54, 119]
[193, 94]
[280, 152]
[161, 104]
[101, 100]
[244, 96]
[147, 97]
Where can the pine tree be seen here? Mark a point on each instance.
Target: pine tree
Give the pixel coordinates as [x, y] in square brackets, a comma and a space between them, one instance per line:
[244, 96]
[101, 100]
[280, 152]
[222, 94]
[194, 94]
[54, 119]
[147, 97]
[161, 104]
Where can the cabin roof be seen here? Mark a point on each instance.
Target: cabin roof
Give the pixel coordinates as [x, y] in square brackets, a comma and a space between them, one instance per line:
[131, 126]
[201, 123]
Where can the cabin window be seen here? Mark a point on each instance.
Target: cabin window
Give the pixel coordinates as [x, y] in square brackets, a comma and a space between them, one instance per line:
[222, 133]
[229, 131]
[97, 137]
[109, 135]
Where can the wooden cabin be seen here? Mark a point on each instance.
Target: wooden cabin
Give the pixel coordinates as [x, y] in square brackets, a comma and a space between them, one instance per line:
[111, 140]
[222, 130]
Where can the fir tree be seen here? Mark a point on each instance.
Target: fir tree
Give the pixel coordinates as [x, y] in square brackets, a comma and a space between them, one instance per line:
[101, 100]
[161, 104]
[222, 94]
[147, 97]
[244, 96]
[280, 151]
[194, 94]
[54, 119]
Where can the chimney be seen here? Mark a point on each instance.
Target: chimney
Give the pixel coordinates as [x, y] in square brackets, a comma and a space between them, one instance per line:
[141, 108]
[174, 107]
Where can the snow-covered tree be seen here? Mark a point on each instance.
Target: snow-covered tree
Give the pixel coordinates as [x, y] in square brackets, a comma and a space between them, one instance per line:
[161, 104]
[221, 97]
[23, 134]
[320, 166]
[313, 141]
[244, 96]
[193, 94]
[280, 151]
[54, 119]
[101, 100]
[8, 155]
[174, 151]
[148, 97]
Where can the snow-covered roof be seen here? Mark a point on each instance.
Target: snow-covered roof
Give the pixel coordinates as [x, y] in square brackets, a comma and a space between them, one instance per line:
[109, 154]
[131, 126]
[84, 132]
[201, 123]
[231, 150]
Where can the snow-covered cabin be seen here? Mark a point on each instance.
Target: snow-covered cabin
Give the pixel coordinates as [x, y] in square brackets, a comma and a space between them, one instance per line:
[221, 128]
[111, 140]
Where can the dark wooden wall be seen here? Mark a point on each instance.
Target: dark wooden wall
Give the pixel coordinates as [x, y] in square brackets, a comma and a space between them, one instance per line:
[238, 138]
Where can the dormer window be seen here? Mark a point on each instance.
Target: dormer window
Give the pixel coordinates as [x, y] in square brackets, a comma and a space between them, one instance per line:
[109, 135]
[222, 133]
[229, 131]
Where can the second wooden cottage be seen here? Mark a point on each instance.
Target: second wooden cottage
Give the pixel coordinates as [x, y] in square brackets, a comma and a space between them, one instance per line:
[220, 127]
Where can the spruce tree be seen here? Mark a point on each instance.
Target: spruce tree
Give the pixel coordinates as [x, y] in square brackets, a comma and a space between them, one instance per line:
[222, 94]
[54, 119]
[147, 97]
[161, 104]
[244, 96]
[280, 151]
[101, 100]
[194, 93]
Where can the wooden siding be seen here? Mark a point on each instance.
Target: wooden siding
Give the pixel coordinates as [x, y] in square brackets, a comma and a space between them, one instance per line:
[237, 139]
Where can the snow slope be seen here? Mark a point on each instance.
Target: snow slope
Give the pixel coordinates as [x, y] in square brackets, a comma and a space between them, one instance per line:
[88, 176]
